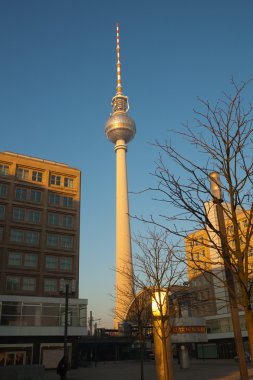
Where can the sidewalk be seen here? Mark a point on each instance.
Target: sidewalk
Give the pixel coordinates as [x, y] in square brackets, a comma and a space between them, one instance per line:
[130, 370]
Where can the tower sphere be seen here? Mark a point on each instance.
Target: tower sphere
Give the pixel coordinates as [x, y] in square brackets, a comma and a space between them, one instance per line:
[120, 126]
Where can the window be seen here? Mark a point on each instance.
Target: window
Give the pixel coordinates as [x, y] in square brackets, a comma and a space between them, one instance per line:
[31, 260]
[51, 262]
[32, 237]
[53, 219]
[54, 199]
[50, 285]
[67, 221]
[3, 190]
[66, 263]
[22, 173]
[52, 240]
[55, 180]
[230, 229]
[245, 223]
[33, 216]
[250, 251]
[14, 258]
[4, 169]
[36, 176]
[18, 213]
[12, 283]
[2, 211]
[1, 233]
[36, 196]
[68, 202]
[66, 242]
[29, 283]
[20, 194]
[68, 182]
[17, 236]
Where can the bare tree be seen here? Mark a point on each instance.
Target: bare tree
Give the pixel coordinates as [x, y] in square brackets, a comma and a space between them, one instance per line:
[157, 269]
[222, 137]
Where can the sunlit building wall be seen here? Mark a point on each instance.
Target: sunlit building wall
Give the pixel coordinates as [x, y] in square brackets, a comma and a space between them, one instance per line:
[39, 253]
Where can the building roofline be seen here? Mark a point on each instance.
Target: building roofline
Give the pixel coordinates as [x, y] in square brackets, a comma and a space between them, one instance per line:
[18, 155]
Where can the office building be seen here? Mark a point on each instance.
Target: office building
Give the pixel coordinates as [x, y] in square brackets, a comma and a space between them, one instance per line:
[39, 255]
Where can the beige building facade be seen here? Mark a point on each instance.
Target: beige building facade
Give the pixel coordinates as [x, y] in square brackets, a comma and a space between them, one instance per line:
[39, 256]
[39, 226]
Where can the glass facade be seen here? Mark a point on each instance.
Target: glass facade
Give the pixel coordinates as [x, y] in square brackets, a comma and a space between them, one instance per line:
[41, 314]
[223, 325]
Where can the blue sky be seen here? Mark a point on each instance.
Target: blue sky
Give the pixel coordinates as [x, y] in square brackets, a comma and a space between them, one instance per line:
[58, 76]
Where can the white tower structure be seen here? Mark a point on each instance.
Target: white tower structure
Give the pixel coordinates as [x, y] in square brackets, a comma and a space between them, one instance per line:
[120, 129]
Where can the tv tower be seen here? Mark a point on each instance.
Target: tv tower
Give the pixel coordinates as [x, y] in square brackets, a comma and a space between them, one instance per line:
[120, 129]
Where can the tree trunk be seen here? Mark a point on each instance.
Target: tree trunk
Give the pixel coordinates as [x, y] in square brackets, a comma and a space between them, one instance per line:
[249, 326]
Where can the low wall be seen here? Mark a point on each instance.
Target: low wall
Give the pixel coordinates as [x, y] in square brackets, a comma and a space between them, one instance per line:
[26, 372]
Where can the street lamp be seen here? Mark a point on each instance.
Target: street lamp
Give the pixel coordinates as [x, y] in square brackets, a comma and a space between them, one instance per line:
[163, 357]
[66, 321]
[217, 200]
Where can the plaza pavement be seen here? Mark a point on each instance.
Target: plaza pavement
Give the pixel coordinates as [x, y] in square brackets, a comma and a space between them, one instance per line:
[130, 370]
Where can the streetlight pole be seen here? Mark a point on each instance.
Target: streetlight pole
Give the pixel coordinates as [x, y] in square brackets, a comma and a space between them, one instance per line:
[66, 322]
[163, 357]
[217, 200]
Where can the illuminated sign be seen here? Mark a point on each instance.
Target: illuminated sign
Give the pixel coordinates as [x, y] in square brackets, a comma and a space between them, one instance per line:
[188, 329]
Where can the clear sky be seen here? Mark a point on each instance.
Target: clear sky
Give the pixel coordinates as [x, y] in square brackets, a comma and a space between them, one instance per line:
[57, 78]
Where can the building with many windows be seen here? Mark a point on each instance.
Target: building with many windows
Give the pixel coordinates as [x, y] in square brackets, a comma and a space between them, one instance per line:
[207, 277]
[39, 255]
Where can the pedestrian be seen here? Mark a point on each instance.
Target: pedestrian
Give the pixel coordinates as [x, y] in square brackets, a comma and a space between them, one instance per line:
[62, 368]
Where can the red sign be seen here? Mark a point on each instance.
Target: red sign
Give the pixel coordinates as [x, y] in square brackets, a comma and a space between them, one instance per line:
[188, 329]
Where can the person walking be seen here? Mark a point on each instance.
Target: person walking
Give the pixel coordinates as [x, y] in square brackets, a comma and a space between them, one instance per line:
[62, 368]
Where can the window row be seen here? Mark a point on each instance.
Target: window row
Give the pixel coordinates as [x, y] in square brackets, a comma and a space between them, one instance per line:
[34, 216]
[23, 194]
[59, 241]
[58, 263]
[37, 176]
[30, 260]
[59, 180]
[66, 221]
[16, 283]
[2, 211]
[32, 238]
[3, 190]
[24, 236]
[196, 241]
[242, 224]
[26, 215]
[4, 169]
[30, 195]
[27, 174]
[58, 200]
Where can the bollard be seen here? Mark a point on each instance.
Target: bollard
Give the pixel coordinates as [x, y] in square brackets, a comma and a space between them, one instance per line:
[184, 357]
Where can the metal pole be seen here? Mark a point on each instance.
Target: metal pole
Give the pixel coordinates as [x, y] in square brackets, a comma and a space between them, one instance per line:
[66, 321]
[161, 333]
[217, 200]
[232, 294]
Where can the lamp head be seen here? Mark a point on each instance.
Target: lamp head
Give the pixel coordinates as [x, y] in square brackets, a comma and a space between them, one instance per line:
[215, 186]
[159, 303]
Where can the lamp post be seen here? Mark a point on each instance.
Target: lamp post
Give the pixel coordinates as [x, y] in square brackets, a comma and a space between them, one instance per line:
[66, 321]
[217, 200]
[163, 357]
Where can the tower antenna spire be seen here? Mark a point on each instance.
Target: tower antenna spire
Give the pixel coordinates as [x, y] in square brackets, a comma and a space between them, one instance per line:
[119, 85]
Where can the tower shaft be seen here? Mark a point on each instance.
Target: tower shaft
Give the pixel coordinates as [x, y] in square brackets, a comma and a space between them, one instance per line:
[124, 268]
[120, 129]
